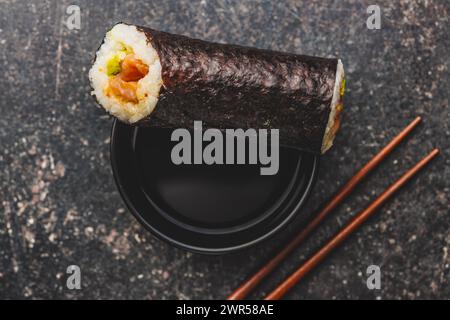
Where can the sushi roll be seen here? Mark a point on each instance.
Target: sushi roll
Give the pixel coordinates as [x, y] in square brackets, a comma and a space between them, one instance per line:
[152, 78]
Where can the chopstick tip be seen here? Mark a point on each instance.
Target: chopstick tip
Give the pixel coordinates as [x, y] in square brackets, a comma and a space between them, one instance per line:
[417, 120]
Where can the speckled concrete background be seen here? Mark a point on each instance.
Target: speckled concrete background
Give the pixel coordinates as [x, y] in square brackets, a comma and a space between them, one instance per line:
[59, 205]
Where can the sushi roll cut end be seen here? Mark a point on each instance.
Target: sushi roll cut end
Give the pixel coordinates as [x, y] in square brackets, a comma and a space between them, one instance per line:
[334, 119]
[126, 74]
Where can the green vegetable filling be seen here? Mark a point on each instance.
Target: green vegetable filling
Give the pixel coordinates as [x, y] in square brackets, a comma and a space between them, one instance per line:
[113, 66]
[342, 88]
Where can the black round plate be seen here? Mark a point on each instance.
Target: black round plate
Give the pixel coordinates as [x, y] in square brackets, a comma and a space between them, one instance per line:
[205, 208]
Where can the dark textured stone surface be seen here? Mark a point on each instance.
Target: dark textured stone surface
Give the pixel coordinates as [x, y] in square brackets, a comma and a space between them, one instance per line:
[59, 205]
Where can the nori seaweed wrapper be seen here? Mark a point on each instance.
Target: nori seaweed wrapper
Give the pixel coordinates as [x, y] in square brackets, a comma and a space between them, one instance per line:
[230, 86]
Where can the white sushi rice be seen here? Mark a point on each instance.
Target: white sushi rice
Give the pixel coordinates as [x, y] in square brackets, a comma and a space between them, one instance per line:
[147, 88]
[329, 135]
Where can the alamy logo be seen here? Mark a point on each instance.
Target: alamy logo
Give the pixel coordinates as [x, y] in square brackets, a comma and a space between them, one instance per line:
[221, 150]
[73, 22]
[374, 277]
[374, 20]
[74, 280]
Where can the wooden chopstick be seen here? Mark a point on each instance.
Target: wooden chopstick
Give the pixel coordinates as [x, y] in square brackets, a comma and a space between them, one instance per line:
[287, 284]
[253, 281]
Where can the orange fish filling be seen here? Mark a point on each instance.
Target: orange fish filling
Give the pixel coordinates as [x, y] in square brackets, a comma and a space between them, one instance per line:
[124, 84]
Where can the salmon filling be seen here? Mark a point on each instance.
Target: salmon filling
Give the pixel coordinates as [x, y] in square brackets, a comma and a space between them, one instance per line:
[123, 85]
